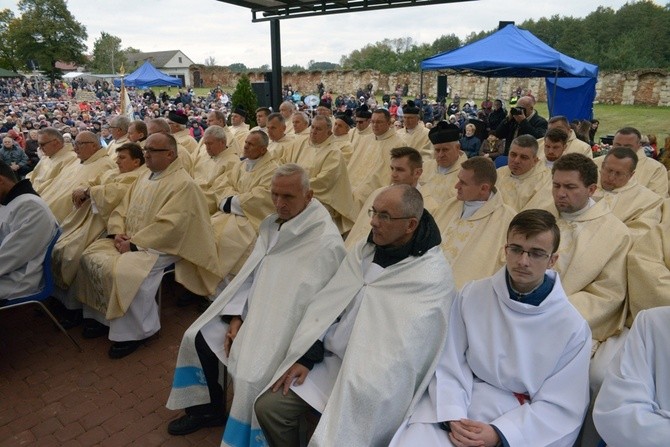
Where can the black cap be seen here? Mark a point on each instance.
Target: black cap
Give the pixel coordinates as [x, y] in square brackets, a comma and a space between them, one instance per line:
[444, 132]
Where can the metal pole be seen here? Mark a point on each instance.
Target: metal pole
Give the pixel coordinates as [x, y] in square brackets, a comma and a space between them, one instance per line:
[553, 102]
[421, 84]
[276, 82]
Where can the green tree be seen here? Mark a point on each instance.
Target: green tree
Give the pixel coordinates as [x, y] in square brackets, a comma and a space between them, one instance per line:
[322, 66]
[444, 43]
[47, 32]
[244, 96]
[237, 67]
[9, 57]
[108, 57]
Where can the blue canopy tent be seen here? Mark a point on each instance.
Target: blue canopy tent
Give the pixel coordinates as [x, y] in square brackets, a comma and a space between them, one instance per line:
[148, 76]
[513, 52]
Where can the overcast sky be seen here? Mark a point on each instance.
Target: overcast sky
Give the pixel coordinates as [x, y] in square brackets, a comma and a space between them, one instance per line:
[209, 28]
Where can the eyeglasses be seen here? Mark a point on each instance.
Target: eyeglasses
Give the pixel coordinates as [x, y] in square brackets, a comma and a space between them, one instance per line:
[385, 217]
[152, 150]
[535, 255]
[607, 172]
[45, 143]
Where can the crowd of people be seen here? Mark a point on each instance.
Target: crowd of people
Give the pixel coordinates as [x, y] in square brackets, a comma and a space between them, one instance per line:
[325, 247]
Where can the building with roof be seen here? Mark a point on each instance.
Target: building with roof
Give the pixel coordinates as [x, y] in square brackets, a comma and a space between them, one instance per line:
[173, 63]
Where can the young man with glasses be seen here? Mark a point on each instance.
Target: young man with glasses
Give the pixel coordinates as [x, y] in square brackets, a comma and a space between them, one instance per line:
[515, 368]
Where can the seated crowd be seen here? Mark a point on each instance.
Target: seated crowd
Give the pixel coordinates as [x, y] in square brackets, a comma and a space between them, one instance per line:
[324, 250]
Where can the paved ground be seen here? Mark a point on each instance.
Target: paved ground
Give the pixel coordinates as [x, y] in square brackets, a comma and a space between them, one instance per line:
[53, 395]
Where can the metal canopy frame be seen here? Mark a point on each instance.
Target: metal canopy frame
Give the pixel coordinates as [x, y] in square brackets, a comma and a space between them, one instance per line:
[275, 10]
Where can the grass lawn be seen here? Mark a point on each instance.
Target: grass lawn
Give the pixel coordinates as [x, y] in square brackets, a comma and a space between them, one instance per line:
[647, 119]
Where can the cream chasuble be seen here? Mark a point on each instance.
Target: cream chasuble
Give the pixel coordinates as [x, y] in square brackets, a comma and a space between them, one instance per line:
[277, 148]
[184, 138]
[343, 145]
[649, 268]
[115, 144]
[527, 191]
[83, 226]
[240, 133]
[235, 234]
[371, 170]
[474, 246]
[208, 169]
[636, 206]
[328, 178]
[58, 195]
[441, 184]
[164, 214]
[592, 265]
[417, 138]
[48, 168]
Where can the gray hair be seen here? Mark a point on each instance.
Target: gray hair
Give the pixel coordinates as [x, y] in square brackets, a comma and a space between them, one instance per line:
[303, 116]
[326, 119]
[161, 124]
[52, 132]
[411, 203]
[216, 132]
[121, 121]
[290, 169]
[277, 116]
[265, 140]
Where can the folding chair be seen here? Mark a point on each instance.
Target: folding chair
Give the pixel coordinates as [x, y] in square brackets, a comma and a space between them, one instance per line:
[44, 294]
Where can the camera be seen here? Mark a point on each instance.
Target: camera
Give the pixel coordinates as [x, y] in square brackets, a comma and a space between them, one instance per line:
[517, 111]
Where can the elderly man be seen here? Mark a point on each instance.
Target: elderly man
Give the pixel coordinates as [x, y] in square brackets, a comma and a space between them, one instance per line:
[279, 141]
[220, 159]
[257, 313]
[521, 120]
[573, 144]
[262, 114]
[514, 370]
[400, 273]
[287, 109]
[27, 225]
[238, 126]
[525, 183]
[415, 133]
[362, 131]
[342, 124]
[649, 268]
[474, 222]
[201, 157]
[94, 201]
[634, 402]
[118, 127]
[56, 158]
[648, 171]
[369, 167]
[162, 220]
[12, 154]
[178, 121]
[244, 200]
[93, 163]
[301, 127]
[441, 173]
[406, 168]
[636, 206]
[327, 170]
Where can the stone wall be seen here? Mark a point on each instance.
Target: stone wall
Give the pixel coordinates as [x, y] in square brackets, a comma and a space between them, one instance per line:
[648, 87]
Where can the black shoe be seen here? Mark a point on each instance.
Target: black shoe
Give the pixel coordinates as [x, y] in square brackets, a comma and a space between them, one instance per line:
[120, 349]
[204, 305]
[188, 298]
[190, 423]
[71, 318]
[94, 329]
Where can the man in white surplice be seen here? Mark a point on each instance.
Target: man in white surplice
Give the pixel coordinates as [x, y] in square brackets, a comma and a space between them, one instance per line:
[369, 341]
[297, 251]
[515, 369]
